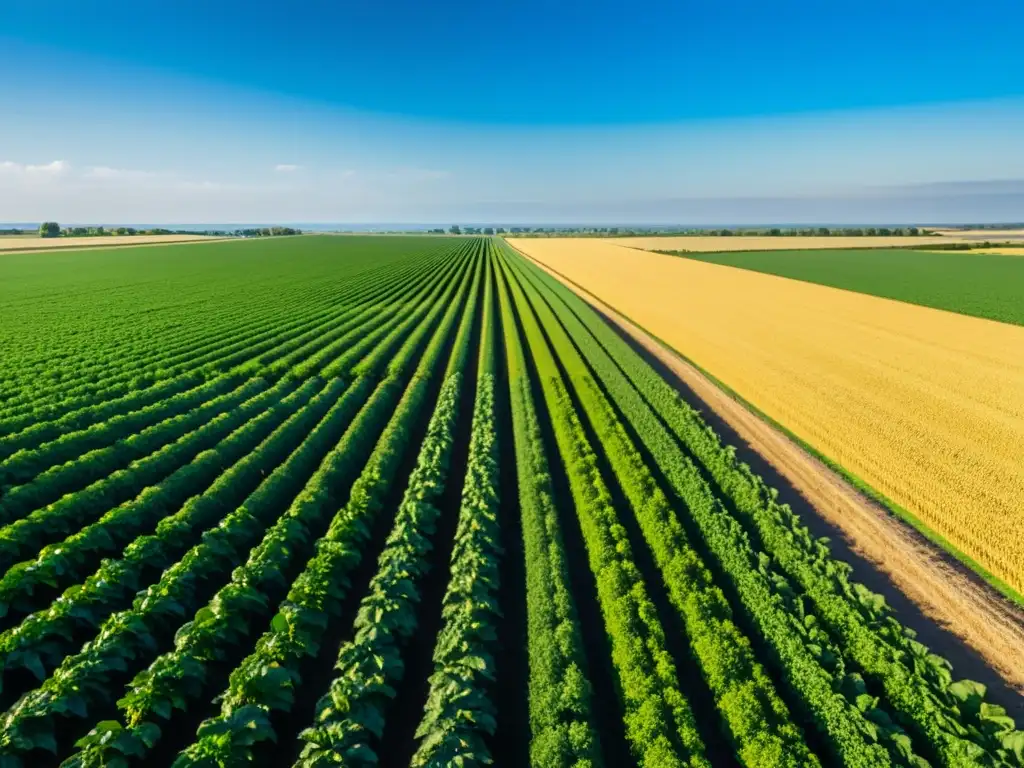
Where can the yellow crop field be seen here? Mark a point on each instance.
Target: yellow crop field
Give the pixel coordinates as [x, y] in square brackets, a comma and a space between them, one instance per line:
[924, 405]
[987, 234]
[1005, 251]
[709, 244]
[22, 242]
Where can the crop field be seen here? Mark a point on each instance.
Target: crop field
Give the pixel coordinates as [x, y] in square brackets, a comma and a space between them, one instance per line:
[715, 243]
[994, 235]
[968, 282]
[926, 407]
[409, 501]
[1006, 250]
[31, 243]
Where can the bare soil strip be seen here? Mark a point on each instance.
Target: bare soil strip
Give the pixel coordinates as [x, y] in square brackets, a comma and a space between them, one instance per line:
[954, 612]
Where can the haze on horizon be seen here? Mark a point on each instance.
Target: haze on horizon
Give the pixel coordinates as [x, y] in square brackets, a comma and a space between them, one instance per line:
[512, 112]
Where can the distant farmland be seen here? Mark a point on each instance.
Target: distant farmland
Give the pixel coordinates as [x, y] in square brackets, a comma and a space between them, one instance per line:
[409, 501]
[29, 243]
[969, 282]
[713, 243]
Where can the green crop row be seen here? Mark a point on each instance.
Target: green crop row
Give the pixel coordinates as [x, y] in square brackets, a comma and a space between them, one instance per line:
[459, 711]
[563, 734]
[352, 714]
[659, 721]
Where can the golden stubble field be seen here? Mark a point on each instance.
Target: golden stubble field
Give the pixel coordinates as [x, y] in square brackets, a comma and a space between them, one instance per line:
[709, 244]
[925, 406]
[1001, 251]
[22, 243]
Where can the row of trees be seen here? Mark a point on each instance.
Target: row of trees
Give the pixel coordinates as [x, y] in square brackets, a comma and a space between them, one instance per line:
[822, 232]
[53, 229]
[457, 230]
[725, 232]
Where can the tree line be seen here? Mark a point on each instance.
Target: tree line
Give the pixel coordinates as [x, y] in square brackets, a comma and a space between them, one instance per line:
[53, 229]
[722, 232]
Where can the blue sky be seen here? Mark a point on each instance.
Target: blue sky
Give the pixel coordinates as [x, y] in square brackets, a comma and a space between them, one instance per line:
[543, 111]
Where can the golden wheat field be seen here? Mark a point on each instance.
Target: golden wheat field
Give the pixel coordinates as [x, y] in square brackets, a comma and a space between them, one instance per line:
[710, 243]
[987, 234]
[925, 406]
[21, 242]
[1006, 251]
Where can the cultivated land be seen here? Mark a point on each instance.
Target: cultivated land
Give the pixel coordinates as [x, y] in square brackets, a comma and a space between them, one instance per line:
[408, 501]
[985, 234]
[908, 565]
[926, 407]
[710, 243]
[1017, 250]
[969, 282]
[27, 243]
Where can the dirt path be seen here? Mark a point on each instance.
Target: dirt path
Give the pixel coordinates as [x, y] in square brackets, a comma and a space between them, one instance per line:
[953, 611]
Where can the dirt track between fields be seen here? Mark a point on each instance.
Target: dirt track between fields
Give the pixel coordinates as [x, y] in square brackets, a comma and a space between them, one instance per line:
[955, 613]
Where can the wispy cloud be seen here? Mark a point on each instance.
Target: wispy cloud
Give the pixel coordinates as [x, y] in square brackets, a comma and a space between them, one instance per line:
[56, 168]
[286, 168]
[105, 173]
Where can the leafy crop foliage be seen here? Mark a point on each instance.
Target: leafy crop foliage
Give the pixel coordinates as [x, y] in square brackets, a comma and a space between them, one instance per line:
[254, 512]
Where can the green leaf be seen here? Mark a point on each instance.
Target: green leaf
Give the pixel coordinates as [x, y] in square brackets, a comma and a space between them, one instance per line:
[279, 623]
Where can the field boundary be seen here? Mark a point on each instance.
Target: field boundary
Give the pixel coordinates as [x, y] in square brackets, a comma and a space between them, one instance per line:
[971, 586]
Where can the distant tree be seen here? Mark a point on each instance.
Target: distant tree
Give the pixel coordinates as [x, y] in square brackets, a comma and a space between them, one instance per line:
[613, 230]
[500, 230]
[488, 230]
[775, 232]
[824, 232]
[49, 229]
[913, 231]
[725, 233]
[455, 230]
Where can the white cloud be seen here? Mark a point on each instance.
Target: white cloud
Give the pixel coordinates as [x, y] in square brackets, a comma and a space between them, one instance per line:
[105, 172]
[56, 168]
[286, 167]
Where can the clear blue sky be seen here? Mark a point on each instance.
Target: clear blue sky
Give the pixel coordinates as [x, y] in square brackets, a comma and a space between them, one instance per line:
[364, 110]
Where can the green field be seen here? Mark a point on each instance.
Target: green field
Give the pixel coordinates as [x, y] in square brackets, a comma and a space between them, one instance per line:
[408, 501]
[980, 284]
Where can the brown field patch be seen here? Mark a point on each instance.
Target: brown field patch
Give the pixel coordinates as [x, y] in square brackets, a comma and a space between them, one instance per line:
[923, 405]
